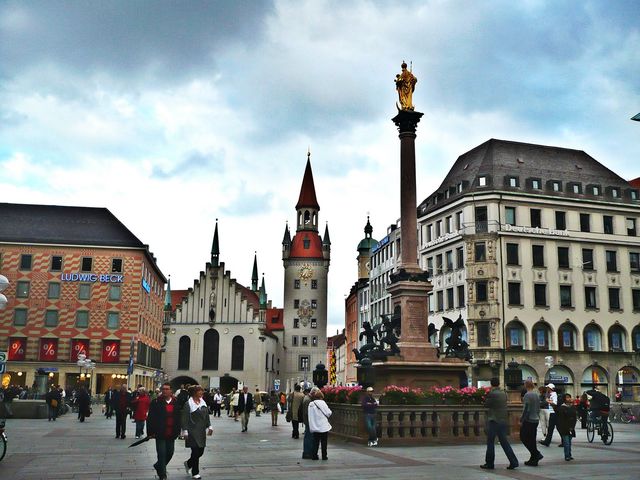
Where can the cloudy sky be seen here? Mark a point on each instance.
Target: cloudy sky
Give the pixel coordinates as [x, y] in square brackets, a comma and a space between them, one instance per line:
[175, 113]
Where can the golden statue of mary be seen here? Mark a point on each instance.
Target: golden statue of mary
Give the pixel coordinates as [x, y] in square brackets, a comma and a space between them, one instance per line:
[405, 85]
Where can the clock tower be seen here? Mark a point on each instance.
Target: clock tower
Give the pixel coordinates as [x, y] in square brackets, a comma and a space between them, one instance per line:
[306, 259]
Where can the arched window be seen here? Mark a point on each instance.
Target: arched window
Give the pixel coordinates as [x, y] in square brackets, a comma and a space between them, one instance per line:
[307, 217]
[635, 338]
[211, 350]
[516, 335]
[237, 353]
[184, 352]
[617, 339]
[567, 337]
[592, 338]
[541, 336]
[315, 218]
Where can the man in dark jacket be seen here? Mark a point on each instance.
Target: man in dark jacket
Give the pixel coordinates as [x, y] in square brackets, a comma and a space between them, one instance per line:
[497, 420]
[108, 396]
[53, 398]
[163, 424]
[120, 403]
[245, 405]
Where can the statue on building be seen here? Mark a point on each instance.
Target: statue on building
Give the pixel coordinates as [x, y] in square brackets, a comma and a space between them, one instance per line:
[405, 85]
[456, 346]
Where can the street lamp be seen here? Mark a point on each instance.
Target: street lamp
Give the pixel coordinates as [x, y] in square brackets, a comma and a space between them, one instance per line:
[4, 284]
[320, 376]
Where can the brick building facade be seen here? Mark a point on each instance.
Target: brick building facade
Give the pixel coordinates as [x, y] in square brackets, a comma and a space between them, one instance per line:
[80, 282]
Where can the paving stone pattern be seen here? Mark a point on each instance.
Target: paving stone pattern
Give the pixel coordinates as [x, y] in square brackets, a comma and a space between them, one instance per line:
[66, 449]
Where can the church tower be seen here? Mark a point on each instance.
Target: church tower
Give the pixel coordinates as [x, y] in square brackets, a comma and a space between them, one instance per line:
[306, 258]
[364, 251]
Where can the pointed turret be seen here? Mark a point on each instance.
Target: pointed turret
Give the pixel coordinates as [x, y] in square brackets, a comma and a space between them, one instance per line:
[254, 275]
[325, 239]
[263, 294]
[307, 197]
[215, 248]
[167, 295]
[286, 240]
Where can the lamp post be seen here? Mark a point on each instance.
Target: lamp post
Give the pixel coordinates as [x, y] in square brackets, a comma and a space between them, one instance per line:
[320, 376]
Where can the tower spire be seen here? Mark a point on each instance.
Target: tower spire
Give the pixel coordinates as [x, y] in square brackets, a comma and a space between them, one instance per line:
[307, 197]
[167, 295]
[254, 275]
[215, 248]
[263, 294]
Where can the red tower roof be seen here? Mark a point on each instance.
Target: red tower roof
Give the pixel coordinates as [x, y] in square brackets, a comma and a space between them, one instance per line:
[308, 190]
[303, 239]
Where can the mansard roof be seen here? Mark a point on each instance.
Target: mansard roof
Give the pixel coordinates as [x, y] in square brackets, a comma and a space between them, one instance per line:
[491, 165]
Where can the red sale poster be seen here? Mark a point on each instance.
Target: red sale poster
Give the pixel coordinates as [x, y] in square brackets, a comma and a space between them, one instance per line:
[79, 347]
[110, 351]
[17, 347]
[49, 349]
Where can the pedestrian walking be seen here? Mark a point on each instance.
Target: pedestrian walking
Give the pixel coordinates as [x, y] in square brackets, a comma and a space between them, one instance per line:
[552, 402]
[257, 401]
[196, 425]
[52, 399]
[369, 408]
[84, 404]
[234, 403]
[307, 439]
[566, 424]
[295, 404]
[529, 424]
[274, 404]
[140, 406]
[544, 409]
[217, 403]
[319, 414]
[183, 395]
[120, 404]
[163, 424]
[497, 420]
[108, 396]
[245, 405]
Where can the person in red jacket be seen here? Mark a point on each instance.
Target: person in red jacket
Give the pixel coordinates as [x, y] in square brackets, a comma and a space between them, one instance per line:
[140, 406]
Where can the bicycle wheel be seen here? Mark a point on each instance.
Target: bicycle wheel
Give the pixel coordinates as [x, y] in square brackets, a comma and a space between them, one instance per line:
[608, 439]
[3, 446]
[625, 417]
[591, 431]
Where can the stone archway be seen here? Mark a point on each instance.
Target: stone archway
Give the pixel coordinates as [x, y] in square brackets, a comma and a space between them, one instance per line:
[227, 383]
[182, 380]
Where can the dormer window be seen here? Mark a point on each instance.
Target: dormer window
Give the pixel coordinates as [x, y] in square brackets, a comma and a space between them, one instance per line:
[482, 181]
[615, 193]
[513, 182]
[556, 186]
[446, 193]
[535, 184]
[633, 194]
[459, 187]
[576, 188]
[595, 190]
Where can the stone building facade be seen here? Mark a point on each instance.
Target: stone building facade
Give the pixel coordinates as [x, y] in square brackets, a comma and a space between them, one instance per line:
[537, 248]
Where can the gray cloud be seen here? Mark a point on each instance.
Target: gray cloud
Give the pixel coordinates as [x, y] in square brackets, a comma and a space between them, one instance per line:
[194, 162]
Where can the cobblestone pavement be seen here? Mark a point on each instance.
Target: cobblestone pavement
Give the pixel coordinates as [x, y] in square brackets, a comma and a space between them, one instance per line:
[66, 449]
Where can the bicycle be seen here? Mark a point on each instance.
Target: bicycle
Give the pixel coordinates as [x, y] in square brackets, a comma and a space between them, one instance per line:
[596, 425]
[625, 415]
[3, 440]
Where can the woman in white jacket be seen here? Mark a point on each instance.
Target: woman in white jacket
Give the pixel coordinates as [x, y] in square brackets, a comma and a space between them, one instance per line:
[319, 425]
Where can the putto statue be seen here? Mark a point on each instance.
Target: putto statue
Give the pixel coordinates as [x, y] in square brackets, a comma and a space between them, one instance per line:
[456, 346]
[405, 85]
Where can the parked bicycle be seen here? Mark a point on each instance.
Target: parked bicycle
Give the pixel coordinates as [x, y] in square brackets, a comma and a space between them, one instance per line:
[3, 440]
[600, 425]
[624, 415]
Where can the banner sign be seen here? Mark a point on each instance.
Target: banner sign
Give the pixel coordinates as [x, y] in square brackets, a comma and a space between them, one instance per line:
[79, 346]
[48, 349]
[110, 351]
[17, 348]
[91, 277]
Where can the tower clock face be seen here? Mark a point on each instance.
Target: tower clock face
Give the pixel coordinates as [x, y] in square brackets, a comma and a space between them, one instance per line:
[305, 272]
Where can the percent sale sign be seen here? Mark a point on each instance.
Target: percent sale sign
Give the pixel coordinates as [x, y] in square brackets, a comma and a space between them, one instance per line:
[49, 349]
[79, 346]
[17, 348]
[111, 351]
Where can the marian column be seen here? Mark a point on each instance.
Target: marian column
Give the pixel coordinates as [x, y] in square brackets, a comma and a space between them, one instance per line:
[410, 285]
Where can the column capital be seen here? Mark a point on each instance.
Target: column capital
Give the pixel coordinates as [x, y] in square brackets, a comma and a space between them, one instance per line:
[407, 121]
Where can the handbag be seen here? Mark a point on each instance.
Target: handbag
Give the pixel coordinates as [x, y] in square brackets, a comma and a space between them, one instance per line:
[54, 403]
[287, 417]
